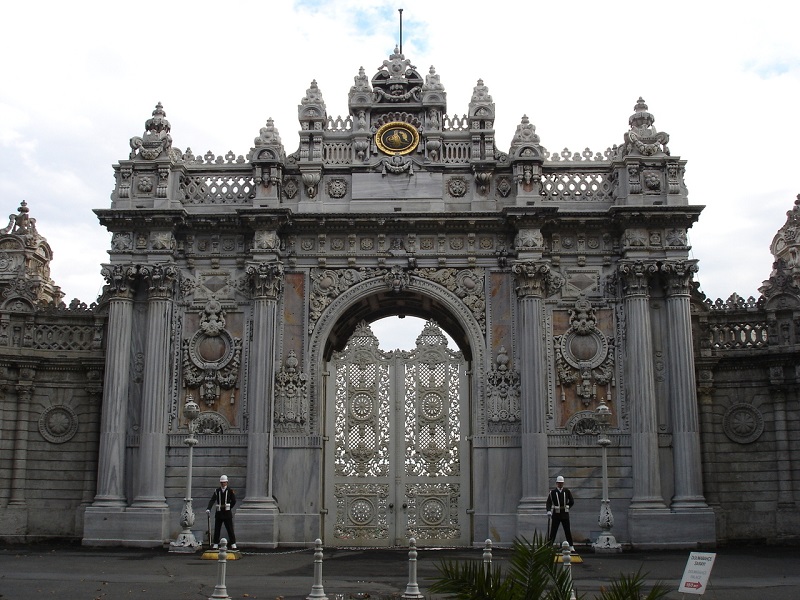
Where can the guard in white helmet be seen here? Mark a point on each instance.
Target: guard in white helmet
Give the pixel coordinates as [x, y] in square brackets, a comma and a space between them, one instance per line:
[559, 501]
[224, 500]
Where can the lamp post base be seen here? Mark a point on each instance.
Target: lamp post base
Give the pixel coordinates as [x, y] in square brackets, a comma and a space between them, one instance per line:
[607, 544]
[186, 543]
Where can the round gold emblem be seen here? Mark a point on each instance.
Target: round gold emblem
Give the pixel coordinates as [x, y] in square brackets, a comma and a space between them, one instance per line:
[397, 138]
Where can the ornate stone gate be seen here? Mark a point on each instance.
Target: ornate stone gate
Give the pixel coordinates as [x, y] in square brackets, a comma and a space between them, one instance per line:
[397, 457]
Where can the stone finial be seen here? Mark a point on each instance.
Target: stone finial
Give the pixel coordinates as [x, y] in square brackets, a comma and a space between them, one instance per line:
[360, 82]
[26, 273]
[313, 95]
[268, 135]
[643, 139]
[156, 138]
[432, 81]
[480, 93]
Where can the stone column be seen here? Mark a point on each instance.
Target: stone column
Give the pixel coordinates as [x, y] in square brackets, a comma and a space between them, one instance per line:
[111, 456]
[534, 280]
[257, 515]
[19, 463]
[783, 451]
[682, 387]
[15, 515]
[160, 280]
[640, 390]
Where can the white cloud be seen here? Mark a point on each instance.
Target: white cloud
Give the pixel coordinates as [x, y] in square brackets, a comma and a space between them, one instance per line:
[722, 79]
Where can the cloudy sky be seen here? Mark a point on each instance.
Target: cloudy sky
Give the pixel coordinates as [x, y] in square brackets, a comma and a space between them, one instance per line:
[80, 78]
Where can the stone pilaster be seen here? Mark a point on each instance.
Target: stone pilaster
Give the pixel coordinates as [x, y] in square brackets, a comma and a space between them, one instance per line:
[534, 281]
[682, 387]
[782, 449]
[258, 513]
[160, 281]
[641, 386]
[111, 457]
[19, 464]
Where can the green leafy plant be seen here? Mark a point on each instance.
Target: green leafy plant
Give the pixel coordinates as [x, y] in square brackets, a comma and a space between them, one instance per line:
[631, 587]
[533, 574]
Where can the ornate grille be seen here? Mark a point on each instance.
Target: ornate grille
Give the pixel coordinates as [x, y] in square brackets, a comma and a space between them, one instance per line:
[384, 489]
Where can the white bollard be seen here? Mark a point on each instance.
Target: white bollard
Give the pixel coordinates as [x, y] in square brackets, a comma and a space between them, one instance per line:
[220, 591]
[412, 589]
[566, 559]
[317, 591]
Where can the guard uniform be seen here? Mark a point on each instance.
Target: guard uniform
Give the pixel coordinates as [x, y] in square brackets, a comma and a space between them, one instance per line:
[559, 501]
[224, 499]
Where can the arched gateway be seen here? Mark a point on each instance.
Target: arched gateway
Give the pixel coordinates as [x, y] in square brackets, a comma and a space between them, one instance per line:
[249, 283]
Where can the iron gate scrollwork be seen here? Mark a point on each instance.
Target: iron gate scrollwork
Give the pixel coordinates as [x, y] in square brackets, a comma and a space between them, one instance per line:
[396, 456]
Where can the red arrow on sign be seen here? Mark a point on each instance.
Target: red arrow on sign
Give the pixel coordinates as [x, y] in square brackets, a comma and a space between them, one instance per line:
[693, 584]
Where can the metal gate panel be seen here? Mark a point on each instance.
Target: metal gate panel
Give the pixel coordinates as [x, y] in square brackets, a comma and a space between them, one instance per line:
[396, 449]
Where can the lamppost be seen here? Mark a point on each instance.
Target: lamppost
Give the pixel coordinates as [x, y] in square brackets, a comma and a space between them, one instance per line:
[606, 541]
[186, 541]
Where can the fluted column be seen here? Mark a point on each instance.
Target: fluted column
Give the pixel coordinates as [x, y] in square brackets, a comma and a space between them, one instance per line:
[160, 280]
[688, 477]
[534, 280]
[266, 280]
[641, 386]
[119, 330]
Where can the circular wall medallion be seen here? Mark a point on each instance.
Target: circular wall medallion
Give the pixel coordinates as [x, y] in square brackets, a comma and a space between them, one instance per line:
[397, 138]
[743, 423]
[58, 424]
[211, 351]
[584, 349]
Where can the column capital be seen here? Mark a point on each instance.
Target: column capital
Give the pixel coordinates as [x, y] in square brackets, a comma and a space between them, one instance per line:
[119, 280]
[635, 276]
[678, 276]
[536, 279]
[266, 279]
[160, 280]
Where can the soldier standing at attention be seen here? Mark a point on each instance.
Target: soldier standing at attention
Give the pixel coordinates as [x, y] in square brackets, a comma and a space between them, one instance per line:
[224, 499]
[559, 501]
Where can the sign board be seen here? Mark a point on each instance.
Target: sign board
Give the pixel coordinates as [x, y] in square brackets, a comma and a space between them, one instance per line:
[698, 570]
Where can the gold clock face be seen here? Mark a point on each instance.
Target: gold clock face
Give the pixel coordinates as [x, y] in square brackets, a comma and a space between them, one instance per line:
[397, 138]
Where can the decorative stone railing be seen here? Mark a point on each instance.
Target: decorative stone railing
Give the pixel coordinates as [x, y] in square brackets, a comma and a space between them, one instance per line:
[738, 335]
[218, 187]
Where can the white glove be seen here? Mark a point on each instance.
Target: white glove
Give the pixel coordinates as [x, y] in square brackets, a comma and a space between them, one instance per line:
[208, 511]
[549, 513]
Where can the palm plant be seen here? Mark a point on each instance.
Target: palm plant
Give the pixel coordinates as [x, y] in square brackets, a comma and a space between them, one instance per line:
[630, 587]
[533, 574]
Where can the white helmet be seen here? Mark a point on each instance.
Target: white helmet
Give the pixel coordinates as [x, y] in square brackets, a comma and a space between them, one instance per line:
[223, 478]
[559, 479]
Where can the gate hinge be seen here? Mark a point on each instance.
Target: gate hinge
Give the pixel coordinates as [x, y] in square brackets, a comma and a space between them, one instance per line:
[324, 511]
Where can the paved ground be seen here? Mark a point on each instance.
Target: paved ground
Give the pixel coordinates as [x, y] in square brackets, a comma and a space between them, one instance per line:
[75, 573]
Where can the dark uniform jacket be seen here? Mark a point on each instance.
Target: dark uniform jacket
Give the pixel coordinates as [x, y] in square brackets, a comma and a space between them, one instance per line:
[222, 497]
[559, 500]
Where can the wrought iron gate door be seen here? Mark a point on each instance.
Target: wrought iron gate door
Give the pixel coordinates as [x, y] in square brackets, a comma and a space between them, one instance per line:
[397, 460]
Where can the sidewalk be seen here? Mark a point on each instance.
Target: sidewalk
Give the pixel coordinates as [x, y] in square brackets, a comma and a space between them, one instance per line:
[76, 573]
